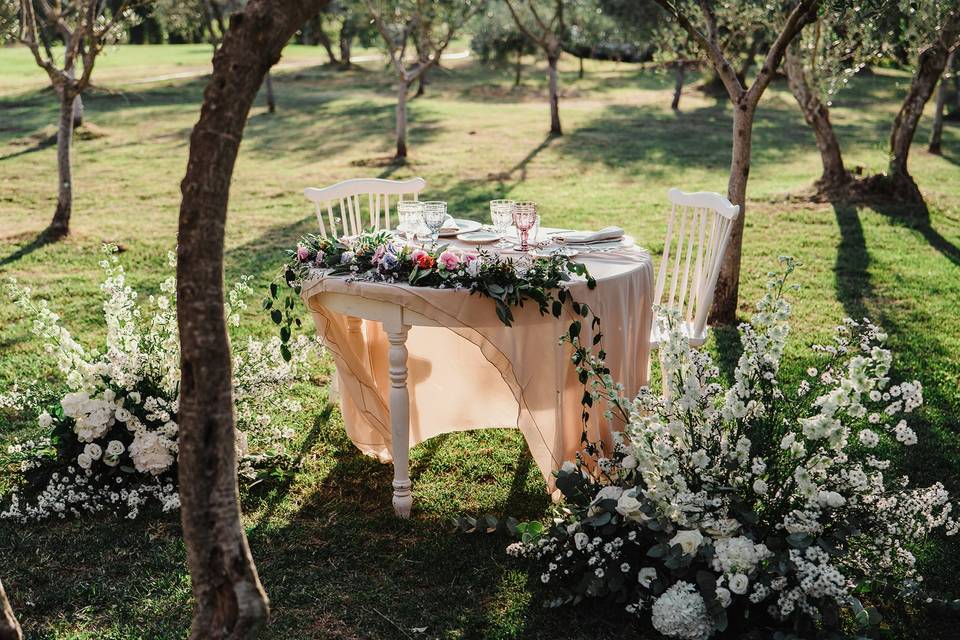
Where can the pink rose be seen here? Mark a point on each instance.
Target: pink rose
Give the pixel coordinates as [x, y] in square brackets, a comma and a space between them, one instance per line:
[449, 260]
[303, 254]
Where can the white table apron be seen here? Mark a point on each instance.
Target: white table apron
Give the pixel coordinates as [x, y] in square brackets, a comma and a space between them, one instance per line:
[350, 302]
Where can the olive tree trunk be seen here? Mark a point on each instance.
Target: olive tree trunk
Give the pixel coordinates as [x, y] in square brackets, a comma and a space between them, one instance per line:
[60, 225]
[9, 627]
[403, 86]
[230, 602]
[679, 72]
[930, 67]
[271, 99]
[724, 310]
[555, 128]
[519, 66]
[345, 39]
[936, 132]
[817, 115]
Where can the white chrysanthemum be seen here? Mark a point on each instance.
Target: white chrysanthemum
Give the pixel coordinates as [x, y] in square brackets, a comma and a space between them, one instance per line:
[681, 613]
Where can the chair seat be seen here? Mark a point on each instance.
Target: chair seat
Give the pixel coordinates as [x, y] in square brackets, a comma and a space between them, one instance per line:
[656, 337]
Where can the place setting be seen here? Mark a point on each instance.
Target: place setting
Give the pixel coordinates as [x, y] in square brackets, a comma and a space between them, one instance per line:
[515, 227]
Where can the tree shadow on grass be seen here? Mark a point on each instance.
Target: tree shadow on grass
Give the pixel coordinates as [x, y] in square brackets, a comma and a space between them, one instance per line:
[918, 353]
[41, 240]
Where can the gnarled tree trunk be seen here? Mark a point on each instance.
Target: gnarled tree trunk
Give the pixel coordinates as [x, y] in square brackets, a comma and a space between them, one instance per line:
[930, 67]
[9, 627]
[230, 602]
[555, 128]
[817, 115]
[936, 132]
[60, 225]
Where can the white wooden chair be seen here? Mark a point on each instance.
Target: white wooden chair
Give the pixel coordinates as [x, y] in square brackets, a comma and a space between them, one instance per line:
[698, 231]
[349, 197]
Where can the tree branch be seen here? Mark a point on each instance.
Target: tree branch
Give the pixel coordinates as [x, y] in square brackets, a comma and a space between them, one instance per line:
[803, 14]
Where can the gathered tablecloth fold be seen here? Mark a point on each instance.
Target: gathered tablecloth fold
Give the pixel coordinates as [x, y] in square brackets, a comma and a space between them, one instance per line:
[473, 372]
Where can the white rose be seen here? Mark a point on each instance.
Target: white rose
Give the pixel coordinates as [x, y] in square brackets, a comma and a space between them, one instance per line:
[739, 583]
[134, 397]
[73, 403]
[646, 576]
[723, 595]
[93, 450]
[760, 487]
[609, 493]
[123, 415]
[115, 448]
[628, 505]
[45, 420]
[689, 541]
[84, 460]
[580, 540]
[629, 462]
[831, 499]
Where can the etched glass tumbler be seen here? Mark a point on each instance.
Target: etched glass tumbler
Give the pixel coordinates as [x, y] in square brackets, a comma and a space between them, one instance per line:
[501, 214]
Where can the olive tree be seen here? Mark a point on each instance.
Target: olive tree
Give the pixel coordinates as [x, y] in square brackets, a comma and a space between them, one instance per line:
[86, 27]
[543, 22]
[230, 602]
[435, 24]
[699, 19]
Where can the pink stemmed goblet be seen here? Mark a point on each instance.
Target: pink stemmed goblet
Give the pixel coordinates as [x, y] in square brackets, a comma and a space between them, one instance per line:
[524, 218]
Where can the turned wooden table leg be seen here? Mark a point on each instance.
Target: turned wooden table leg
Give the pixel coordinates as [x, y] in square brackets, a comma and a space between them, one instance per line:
[400, 419]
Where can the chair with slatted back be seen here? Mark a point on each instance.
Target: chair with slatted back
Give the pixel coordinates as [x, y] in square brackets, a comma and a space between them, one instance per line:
[340, 208]
[698, 231]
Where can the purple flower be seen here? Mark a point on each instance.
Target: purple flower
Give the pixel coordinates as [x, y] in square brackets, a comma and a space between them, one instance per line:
[303, 253]
[318, 260]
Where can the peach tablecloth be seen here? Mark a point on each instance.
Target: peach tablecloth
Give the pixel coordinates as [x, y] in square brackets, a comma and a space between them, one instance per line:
[473, 372]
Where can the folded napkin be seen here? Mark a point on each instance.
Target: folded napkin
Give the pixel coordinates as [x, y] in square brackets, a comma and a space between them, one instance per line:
[589, 237]
[449, 226]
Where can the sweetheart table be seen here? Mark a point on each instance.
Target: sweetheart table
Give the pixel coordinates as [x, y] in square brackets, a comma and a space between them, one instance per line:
[415, 362]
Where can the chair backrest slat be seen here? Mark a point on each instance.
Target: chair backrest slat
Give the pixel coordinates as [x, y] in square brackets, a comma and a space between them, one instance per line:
[349, 196]
[698, 230]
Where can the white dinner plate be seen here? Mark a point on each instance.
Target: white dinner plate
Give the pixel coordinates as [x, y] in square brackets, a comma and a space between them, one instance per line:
[464, 226]
[546, 252]
[478, 237]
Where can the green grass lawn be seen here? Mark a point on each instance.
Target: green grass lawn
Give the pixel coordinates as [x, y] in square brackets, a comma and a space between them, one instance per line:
[334, 561]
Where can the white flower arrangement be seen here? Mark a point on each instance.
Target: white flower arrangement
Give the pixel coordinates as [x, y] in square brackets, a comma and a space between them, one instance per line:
[112, 442]
[752, 508]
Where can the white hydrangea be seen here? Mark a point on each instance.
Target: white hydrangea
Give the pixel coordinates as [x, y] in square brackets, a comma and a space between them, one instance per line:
[680, 612]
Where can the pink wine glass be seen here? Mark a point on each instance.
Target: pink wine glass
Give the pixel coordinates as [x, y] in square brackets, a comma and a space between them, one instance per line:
[524, 218]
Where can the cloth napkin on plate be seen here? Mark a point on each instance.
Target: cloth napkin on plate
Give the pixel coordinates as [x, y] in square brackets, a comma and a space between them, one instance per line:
[589, 237]
[449, 226]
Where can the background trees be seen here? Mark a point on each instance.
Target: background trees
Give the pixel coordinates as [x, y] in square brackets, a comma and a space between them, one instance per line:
[544, 24]
[432, 26]
[85, 27]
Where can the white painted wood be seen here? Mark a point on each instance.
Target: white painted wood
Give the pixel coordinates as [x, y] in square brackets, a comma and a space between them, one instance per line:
[400, 418]
[698, 230]
[349, 198]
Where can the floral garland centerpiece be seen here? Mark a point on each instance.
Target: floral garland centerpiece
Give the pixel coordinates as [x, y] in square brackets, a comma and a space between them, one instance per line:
[379, 257]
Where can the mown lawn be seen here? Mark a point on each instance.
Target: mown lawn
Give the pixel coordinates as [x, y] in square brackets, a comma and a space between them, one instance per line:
[333, 559]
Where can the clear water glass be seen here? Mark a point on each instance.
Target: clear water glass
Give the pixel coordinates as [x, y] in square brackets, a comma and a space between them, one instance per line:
[410, 213]
[525, 219]
[434, 215]
[501, 214]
